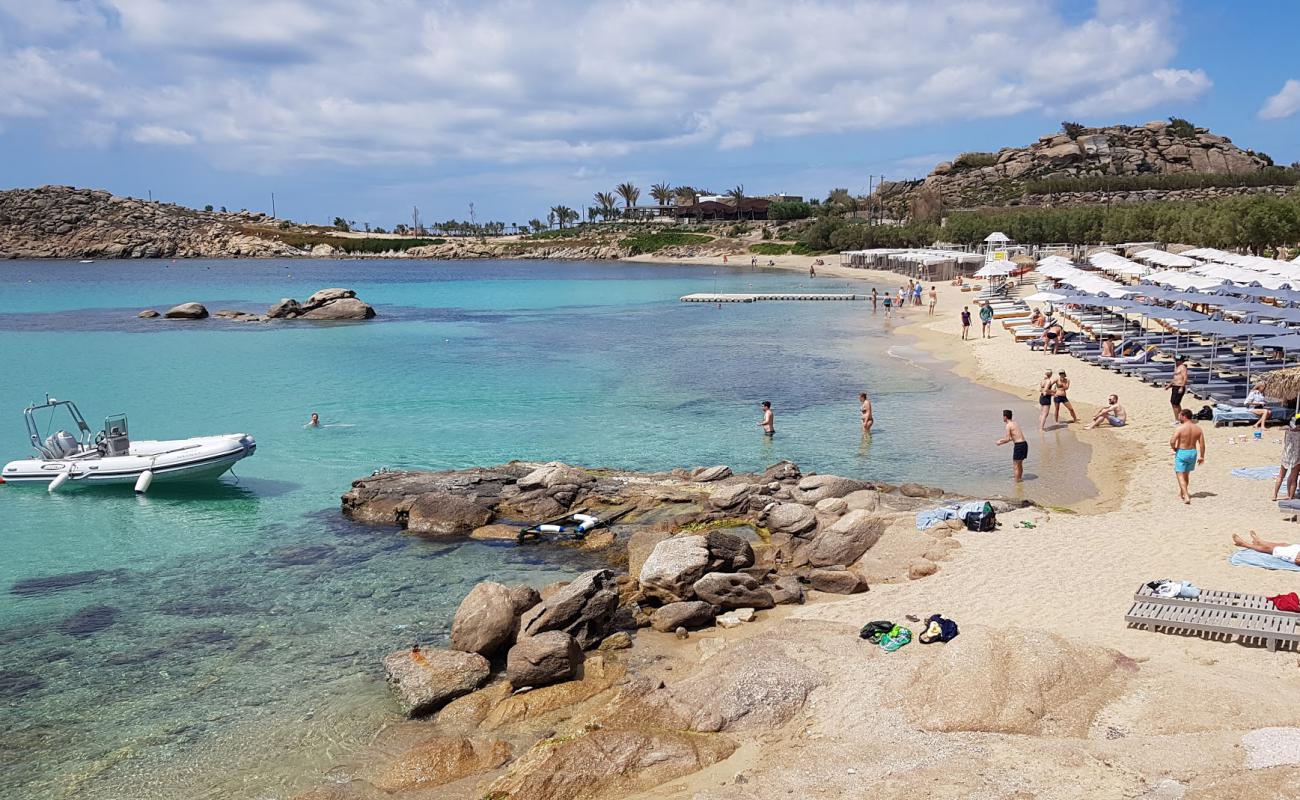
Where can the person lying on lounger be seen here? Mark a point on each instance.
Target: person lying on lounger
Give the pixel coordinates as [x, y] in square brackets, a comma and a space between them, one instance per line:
[1291, 552]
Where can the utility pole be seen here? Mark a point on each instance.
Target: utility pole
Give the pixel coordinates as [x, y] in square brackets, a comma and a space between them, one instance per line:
[272, 205]
[150, 195]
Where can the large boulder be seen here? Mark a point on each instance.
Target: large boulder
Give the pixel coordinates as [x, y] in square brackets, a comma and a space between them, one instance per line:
[819, 487]
[486, 621]
[670, 571]
[438, 760]
[791, 518]
[445, 514]
[754, 685]
[732, 590]
[186, 311]
[730, 495]
[845, 541]
[639, 547]
[148, 313]
[782, 471]
[707, 474]
[425, 680]
[690, 614]
[549, 657]
[345, 308]
[287, 308]
[1010, 680]
[786, 590]
[584, 609]
[555, 475]
[837, 581]
[607, 763]
[326, 296]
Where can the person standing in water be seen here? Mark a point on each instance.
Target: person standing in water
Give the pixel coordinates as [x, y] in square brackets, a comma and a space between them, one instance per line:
[1019, 447]
[812, 271]
[769, 423]
[1046, 388]
[889, 303]
[314, 422]
[1188, 444]
[868, 419]
[874, 296]
[1063, 397]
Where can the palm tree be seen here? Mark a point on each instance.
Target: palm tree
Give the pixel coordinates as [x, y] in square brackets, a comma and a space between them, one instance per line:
[686, 195]
[662, 193]
[608, 204]
[564, 214]
[737, 195]
[551, 216]
[629, 193]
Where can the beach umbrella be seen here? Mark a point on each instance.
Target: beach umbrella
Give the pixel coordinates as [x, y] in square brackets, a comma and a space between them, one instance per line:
[1284, 384]
[1250, 330]
[1048, 297]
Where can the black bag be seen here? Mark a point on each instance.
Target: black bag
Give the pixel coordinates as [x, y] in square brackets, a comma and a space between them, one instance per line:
[1205, 413]
[982, 521]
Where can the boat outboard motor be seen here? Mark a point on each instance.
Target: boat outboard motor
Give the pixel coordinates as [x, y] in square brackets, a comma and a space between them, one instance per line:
[61, 444]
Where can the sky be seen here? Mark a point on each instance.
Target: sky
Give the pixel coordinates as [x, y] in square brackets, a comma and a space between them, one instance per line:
[368, 109]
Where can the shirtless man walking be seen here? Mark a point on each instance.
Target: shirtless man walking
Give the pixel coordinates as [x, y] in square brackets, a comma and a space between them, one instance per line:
[1046, 388]
[1019, 447]
[768, 424]
[1188, 444]
[1063, 397]
[1178, 386]
[867, 419]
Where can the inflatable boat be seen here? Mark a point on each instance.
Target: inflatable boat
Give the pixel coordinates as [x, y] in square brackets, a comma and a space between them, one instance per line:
[67, 460]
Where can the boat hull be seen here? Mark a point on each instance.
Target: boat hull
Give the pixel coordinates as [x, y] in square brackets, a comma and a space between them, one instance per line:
[188, 460]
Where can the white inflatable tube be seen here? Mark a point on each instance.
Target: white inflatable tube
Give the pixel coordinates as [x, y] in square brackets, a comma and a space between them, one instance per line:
[144, 481]
[58, 482]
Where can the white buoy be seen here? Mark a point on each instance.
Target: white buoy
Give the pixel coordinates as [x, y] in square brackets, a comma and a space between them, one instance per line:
[143, 482]
[58, 482]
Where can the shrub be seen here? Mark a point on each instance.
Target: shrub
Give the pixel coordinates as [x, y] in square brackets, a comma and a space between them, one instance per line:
[785, 210]
[653, 242]
[771, 249]
[739, 229]
[207, 208]
[1182, 128]
[1269, 176]
[974, 160]
[1073, 129]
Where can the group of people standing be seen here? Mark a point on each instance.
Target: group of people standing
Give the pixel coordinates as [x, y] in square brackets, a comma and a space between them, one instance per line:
[986, 321]
[910, 294]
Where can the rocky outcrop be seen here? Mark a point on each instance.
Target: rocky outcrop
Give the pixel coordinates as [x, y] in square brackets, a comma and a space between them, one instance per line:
[425, 680]
[439, 760]
[999, 178]
[541, 660]
[844, 541]
[729, 590]
[66, 222]
[837, 581]
[670, 572]
[327, 304]
[688, 614]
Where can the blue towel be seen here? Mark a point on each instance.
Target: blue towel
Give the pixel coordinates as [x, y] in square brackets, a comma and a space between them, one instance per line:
[1256, 473]
[1254, 558]
[925, 520]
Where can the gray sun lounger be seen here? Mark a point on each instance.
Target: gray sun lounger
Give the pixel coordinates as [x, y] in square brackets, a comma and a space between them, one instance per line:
[1249, 617]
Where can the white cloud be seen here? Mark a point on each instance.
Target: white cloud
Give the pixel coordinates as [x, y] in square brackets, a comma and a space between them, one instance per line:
[511, 81]
[157, 134]
[1283, 104]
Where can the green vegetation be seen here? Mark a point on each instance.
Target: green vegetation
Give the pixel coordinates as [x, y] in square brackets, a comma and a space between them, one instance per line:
[1270, 176]
[974, 160]
[1257, 222]
[1073, 129]
[834, 234]
[772, 248]
[784, 209]
[1182, 128]
[653, 242]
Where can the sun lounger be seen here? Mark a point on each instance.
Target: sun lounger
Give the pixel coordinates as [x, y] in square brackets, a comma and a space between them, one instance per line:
[1219, 614]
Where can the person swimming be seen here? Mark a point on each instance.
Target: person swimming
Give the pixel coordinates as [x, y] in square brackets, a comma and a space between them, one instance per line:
[314, 422]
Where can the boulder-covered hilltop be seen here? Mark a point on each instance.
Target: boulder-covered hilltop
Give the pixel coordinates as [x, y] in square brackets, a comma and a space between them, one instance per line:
[65, 222]
[1156, 148]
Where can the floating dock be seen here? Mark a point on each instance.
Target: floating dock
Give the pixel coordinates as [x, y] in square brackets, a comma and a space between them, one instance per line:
[758, 298]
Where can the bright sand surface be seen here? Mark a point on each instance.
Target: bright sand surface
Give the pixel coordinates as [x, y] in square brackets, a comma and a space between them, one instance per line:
[1074, 574]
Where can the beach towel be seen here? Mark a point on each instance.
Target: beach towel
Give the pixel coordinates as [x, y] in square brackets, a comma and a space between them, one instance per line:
[927, 519]
[1256, 473]
[1234, 414]
[1253, 558]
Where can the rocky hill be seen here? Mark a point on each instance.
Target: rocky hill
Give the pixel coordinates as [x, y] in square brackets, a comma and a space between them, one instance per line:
[64, 222]
[1156, 148]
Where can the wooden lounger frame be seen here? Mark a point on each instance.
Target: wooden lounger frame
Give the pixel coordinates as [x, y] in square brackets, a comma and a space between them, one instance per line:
[1250, 617]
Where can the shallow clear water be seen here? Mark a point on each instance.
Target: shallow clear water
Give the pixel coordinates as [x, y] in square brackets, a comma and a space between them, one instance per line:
[226, 642]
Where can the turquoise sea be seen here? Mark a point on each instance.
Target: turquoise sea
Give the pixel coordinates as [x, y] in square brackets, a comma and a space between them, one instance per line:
[226, 641]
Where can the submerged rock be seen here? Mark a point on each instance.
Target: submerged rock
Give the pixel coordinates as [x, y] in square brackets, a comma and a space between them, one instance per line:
[148, 313]
[89, 620]
[48, 584]
[438, 760]
[425, 680]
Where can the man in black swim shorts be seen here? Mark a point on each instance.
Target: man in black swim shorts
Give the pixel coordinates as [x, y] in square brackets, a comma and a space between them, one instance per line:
[1178, 386]
[1019, 447]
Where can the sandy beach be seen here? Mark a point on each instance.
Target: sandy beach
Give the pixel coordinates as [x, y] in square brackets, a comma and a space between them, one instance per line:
[1182, 713]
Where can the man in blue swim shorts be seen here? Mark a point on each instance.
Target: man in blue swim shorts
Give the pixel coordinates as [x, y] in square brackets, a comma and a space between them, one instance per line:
[1188, 444]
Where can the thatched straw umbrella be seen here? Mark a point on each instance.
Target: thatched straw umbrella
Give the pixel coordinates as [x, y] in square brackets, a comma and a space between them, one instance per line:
[1283, 384]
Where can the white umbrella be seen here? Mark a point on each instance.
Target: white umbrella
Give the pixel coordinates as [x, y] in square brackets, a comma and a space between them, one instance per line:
[1045, 297]
[993, 269]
